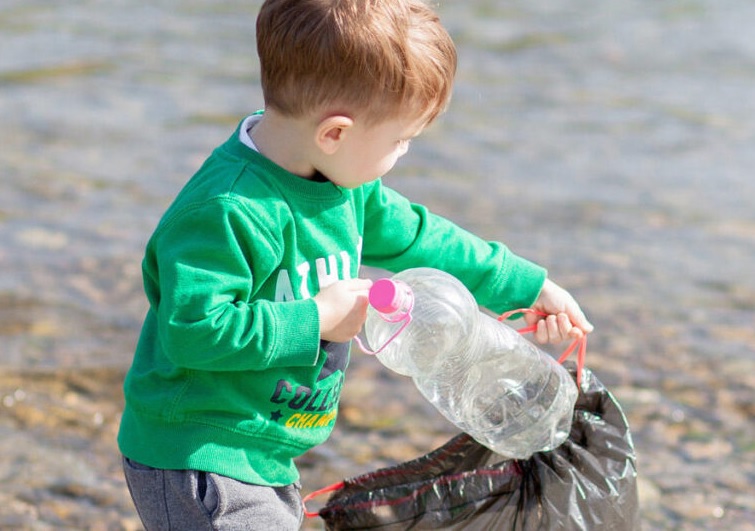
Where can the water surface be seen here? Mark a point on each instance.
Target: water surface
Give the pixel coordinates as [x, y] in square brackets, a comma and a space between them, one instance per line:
[609, 141]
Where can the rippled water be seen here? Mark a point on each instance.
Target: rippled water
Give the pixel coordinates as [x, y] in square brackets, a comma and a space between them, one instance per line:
[610, 141]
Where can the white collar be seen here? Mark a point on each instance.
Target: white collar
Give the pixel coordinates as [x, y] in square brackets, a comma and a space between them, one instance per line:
[245, 130]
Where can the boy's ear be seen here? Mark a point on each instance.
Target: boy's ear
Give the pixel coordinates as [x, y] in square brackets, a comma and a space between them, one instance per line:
[331, 131]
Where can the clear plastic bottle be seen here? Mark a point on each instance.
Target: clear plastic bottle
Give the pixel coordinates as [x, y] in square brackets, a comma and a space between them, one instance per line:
[481, 374]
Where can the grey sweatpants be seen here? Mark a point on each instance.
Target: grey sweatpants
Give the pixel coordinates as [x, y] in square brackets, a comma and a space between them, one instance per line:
[188, 500]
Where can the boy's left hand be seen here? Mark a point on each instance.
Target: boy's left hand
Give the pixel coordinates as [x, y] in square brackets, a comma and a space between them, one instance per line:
[565, 318]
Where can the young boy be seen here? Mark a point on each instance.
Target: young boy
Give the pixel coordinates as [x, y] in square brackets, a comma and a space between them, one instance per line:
[252, 273]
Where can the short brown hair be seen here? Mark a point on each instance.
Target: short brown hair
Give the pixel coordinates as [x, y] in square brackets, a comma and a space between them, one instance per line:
[377, 57]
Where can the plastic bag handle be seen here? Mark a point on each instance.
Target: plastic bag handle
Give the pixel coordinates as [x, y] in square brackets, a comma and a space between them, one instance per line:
[319, 492]
[579, 342]
[406, 320]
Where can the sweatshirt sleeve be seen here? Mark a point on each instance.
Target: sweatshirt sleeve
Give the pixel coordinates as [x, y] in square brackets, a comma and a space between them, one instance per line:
[399, 235]
[204, 268]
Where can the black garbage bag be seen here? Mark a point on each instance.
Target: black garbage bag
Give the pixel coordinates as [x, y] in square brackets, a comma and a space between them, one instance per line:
[589, 482]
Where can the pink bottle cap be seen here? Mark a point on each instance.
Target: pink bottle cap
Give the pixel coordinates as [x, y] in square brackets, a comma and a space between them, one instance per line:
[385, 295]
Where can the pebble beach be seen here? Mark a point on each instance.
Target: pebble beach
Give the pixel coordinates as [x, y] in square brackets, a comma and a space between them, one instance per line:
[610, 142]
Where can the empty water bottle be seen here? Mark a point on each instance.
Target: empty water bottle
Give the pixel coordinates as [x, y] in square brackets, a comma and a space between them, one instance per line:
[481, 374]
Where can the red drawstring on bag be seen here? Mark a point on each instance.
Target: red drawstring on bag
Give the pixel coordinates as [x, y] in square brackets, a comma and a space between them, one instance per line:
[311, 495]
[580, 342]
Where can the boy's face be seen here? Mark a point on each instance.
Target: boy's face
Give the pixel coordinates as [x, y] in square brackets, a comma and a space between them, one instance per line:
[369, 152]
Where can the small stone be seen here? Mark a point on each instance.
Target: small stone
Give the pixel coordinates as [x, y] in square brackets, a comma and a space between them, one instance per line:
[648, 492]
[714, 449]
[43, 239]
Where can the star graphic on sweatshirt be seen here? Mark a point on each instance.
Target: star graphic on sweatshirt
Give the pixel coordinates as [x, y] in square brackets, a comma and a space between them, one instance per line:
[276, 415]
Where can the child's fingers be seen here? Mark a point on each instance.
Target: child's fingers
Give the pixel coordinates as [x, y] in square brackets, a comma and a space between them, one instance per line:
[359, 284]
[558, 327]
[541, 332]
[565, 326]
[579, 320]
[549, 330]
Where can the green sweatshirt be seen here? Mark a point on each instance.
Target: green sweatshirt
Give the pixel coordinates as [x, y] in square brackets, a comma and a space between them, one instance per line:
[230, 375]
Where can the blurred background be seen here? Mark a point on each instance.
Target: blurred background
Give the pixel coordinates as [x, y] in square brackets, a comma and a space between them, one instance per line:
[609, 141]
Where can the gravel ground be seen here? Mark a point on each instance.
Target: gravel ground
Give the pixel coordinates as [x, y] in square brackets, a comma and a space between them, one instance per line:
[612, 142]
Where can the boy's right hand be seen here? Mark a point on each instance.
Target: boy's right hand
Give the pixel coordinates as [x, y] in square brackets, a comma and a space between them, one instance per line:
[343, 309]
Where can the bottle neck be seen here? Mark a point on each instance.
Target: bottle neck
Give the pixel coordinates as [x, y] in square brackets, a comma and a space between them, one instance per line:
[393, 299]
